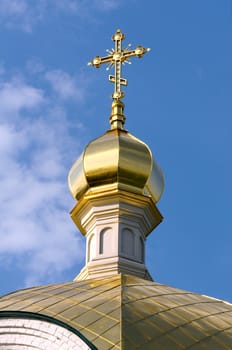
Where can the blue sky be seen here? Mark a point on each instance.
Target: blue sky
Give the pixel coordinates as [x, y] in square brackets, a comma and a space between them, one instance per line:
[178, 101]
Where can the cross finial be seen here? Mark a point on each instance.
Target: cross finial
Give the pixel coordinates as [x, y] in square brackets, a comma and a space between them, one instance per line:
[116, 57]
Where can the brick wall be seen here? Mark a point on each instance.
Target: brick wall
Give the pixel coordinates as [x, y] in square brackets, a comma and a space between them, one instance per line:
[25, 334]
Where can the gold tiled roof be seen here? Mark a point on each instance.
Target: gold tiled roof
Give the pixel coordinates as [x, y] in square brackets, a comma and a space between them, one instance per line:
[126, 312]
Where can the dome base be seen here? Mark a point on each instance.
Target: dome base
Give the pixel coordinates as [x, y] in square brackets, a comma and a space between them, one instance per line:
[116, 224]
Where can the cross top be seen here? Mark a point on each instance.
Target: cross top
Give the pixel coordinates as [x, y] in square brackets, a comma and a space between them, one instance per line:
[117, 57]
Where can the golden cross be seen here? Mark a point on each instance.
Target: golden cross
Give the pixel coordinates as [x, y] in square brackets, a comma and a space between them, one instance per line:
[116, 57]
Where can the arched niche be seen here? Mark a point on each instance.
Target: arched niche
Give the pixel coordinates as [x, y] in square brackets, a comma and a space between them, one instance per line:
[128, 242]
[141, 250]
[91, 247]
[105, 242]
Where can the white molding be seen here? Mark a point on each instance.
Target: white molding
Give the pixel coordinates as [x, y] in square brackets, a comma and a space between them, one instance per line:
[115, 225]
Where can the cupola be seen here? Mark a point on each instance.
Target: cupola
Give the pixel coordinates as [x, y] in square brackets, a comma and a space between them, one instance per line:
[116, 183]
[116, 159]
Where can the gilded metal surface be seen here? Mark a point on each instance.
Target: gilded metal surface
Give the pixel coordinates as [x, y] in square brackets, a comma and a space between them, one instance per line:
[125, 312]
[155, 183]
[116, 57]
[76, 178]
[116, 157]
[112, 195]
[117, 118]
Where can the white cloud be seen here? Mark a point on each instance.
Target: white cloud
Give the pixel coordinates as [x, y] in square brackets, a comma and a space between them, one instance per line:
[21, 14]
[25, 14]
[13, 7]
[64, 85]
[15, 96]
[34, 201]
[34, 66]
[81, 7]
[107, 5]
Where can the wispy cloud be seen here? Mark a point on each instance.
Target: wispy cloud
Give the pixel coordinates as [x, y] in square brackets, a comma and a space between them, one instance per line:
[22, 14]
[34, 202]
[107, 5]
[25, 14]
[15, 96]
[64, 85]
[78, 6]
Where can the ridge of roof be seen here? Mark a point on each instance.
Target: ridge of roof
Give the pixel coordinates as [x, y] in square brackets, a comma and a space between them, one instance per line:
[127, 312]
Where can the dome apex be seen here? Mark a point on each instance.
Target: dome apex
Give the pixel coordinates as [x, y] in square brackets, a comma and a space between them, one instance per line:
[120, 159]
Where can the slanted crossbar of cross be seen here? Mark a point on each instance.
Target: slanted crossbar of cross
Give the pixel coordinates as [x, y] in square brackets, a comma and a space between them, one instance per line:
[116, 57]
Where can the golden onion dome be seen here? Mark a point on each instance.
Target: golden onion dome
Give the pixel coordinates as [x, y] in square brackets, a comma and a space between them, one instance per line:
[116, 159]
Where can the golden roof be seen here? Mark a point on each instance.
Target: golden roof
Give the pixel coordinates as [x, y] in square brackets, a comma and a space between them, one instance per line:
[126, 312]
[116, 158]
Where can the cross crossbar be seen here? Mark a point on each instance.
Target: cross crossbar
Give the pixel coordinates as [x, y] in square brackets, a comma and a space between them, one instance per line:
[117, 57]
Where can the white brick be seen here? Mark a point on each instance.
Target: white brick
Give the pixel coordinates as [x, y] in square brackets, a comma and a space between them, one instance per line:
[40, 334]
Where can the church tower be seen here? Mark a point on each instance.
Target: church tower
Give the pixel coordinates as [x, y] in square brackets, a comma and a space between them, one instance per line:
[113, 304]
[117, 184]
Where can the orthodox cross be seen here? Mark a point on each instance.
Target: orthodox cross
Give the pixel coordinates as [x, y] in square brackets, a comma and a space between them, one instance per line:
[116, 57]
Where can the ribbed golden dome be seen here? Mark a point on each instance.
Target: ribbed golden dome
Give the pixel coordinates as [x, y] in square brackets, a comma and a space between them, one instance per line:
[116, 159]
[126, 312]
